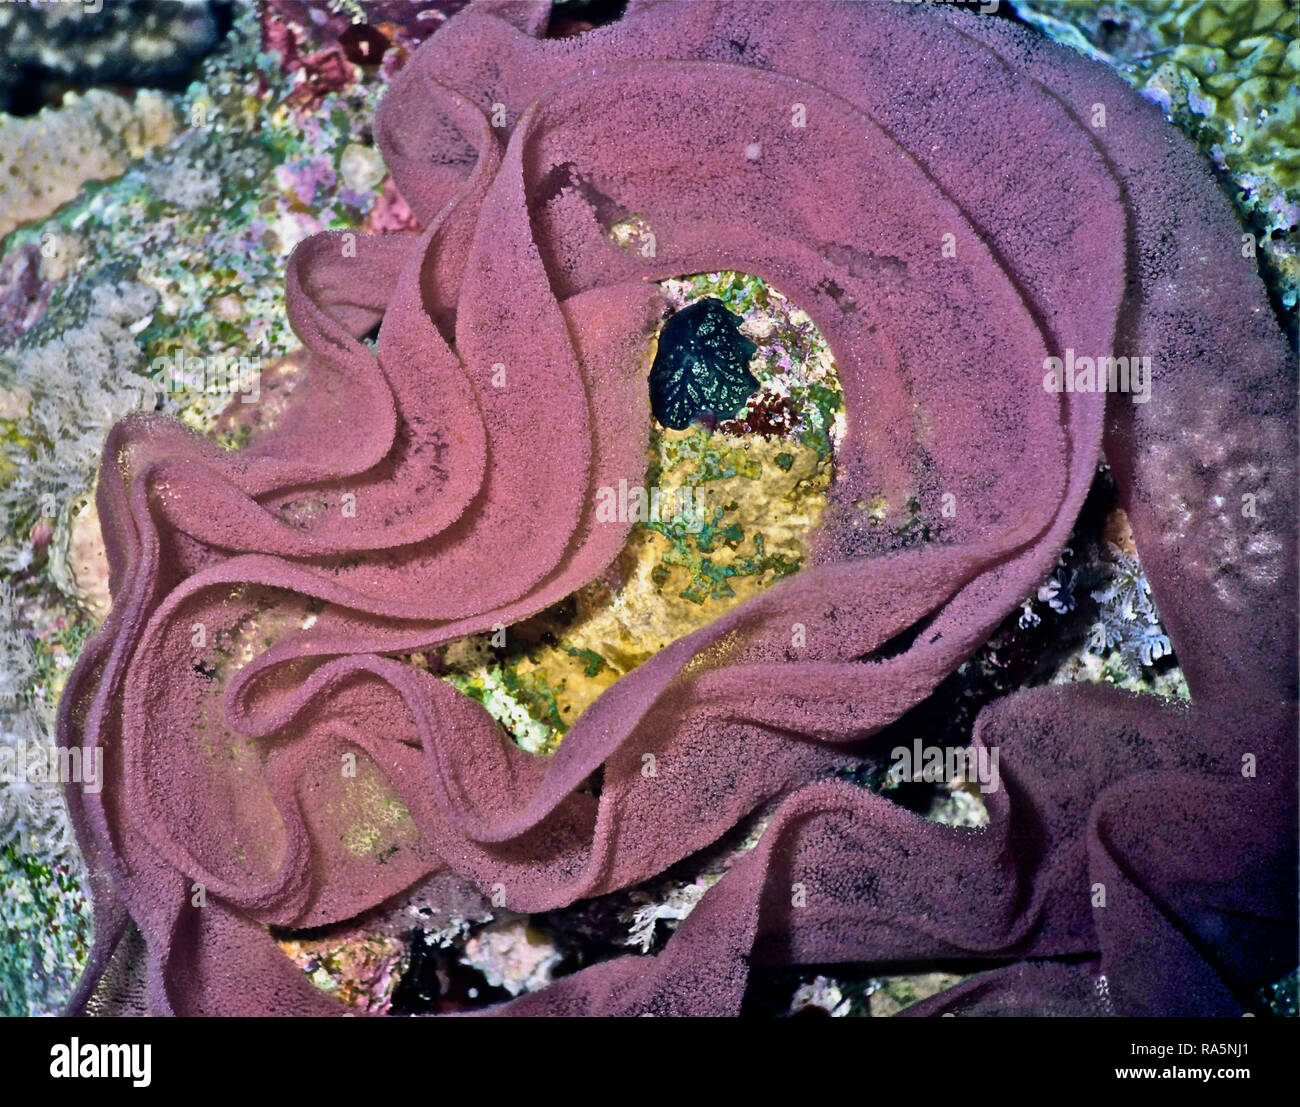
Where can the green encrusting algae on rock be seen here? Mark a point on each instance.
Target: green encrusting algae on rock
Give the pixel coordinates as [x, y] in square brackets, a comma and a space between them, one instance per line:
[1227, 72]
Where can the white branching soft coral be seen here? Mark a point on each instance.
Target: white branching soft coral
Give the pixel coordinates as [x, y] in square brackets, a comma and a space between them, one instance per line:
[1127, 619]
[75, 384]
[33, 816]
[1058, 591]
[678, 902]
[1124, 627]
[18, 667]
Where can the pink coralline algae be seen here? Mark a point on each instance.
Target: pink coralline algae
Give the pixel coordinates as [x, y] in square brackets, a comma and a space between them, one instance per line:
[1140, 855]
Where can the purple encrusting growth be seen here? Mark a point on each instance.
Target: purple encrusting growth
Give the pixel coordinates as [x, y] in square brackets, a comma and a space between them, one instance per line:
[1140, 855]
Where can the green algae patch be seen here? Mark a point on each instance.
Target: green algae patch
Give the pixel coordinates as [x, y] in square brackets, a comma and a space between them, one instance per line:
[1226, 73]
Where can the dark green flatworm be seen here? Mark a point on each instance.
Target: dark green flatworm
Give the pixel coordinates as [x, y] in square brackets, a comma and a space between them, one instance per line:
[702, 365]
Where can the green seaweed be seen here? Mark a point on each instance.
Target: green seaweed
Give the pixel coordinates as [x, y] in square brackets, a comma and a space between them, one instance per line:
[594, 664]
